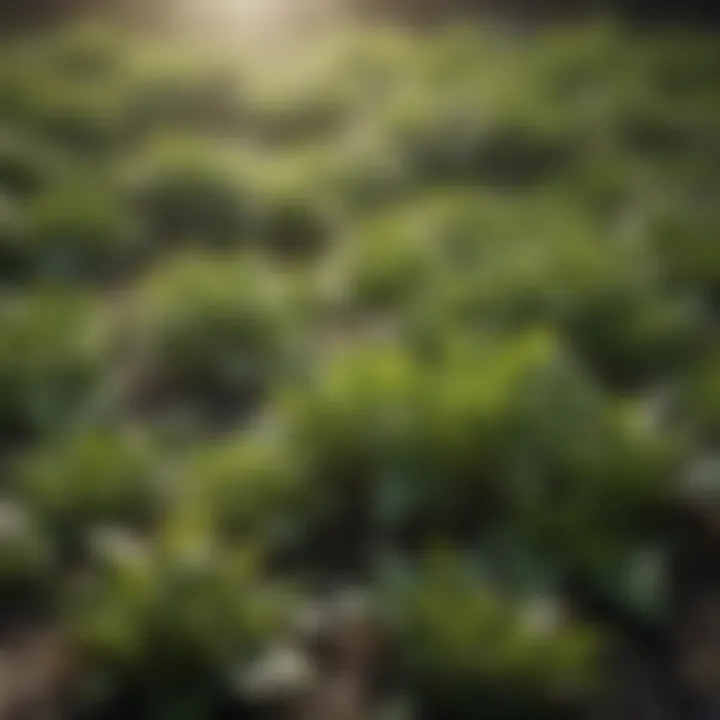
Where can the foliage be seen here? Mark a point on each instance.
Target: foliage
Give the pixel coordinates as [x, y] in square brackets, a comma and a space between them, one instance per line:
[91, 480]
[266, 327]
[215, 327]
[464, 647]
[79, 231]
[191, 190]
[49, 362]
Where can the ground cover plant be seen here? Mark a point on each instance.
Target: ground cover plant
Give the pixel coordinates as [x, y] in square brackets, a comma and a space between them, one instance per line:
[433, 316]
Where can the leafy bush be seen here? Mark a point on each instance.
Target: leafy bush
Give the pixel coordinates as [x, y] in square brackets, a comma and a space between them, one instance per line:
[402, 252]
[215, 328]
[295, 217]
[78, 116]
[86, 51]
[296, 109]
[89, 480]
[24, 555]
[193, 190]
[249, 486]
[483, 437]
[635, 334]
[49, 362]
[169, 625]
[500, 336]
[11, 238]
[79, 231]
[463, 647]
[171, 90]
[365, 170]
[451, 137]
[26, 166]
[701, 396]
[685, 237]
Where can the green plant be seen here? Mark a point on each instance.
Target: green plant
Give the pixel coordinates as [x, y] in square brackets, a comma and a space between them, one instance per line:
[249, 487]
[377, 295]
[27, 165]
[79, 231]
[463, 647]
[49, 361]
[91, 479]
[24, 552]
[212, 328]
[196, 190]
[81, 117]
[177, 89]
[171, 623]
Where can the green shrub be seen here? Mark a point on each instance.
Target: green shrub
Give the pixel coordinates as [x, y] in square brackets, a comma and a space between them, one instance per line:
[450, 136]
[357, 411]
[49, 361]
[24, 554]
[512, 433]
[181, 89]
[464, 262]
[386, 272]
[701, 397]
[462, 647]
[194, 190]
[366, 170]
[211, 328]
[405, 251]
[79, 231]
[86, 52]
[537, 436]
[26, 165]
[685, 236]
[298, 109]
[89, 480]
[83, 117]
[295, 216]
[249, 486]
[500, 337]
[12, 237]
[173, 623]
[636, 335]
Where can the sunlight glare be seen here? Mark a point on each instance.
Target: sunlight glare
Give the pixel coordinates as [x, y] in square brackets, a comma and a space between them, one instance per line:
[256, 20]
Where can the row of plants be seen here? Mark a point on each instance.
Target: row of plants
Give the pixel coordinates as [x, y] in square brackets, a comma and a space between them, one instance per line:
[432, 315]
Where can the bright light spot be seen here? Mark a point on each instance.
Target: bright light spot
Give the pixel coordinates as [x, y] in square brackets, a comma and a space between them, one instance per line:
[255, 20]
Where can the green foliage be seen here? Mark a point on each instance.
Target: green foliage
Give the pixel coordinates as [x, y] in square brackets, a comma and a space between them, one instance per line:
[298, 108]
[388, 291]
[85, 51]
[168, 90]
[78, 231]
[193, 190]
[249, 487]
[49, 361]
[464, 647]
[296, 218]
[702, 396]
[218, 327]
[172, 622]
[11, 238]
[509, 434]
[90, 480]
[24, 554]
[79, 116]
[26, 166]
[686, 237]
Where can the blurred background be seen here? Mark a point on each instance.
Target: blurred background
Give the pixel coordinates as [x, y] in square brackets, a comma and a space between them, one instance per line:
[359, 360]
